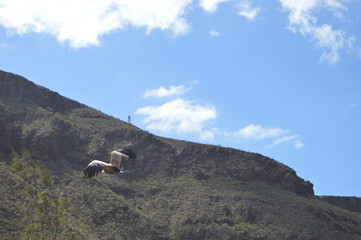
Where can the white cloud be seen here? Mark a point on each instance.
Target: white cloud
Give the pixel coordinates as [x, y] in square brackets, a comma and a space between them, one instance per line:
[246, 10]
[302, 18]
[163, 92]
[294, 138]
[83, 22]
[258, 132]
[184, 116]
[335, 5]
[214, 33]
[298, 143]
[209, 134]
[334, 40]
[211, 5]
[181, 116]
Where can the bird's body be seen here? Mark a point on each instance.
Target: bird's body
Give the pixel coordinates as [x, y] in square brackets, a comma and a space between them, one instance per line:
[113, 167]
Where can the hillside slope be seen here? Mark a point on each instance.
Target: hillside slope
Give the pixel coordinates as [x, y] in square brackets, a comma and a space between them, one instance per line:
[174, 190]
[352, 204]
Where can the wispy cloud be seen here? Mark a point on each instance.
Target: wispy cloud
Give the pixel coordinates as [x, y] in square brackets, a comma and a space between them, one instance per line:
[302, 18]
[181, 116]
[211, 5]
[295, 139]
[82, 23]
[6, 46]
[258, 132]
[248, 11]
[214, 33]
[298, 143]
[162, 92]
[351, 106]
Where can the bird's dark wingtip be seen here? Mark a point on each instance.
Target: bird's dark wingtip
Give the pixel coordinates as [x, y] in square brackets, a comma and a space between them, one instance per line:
[92, 171]
[128, 152]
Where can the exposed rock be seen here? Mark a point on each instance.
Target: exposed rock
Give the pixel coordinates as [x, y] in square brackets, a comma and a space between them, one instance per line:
[16, 88]
[352, 204]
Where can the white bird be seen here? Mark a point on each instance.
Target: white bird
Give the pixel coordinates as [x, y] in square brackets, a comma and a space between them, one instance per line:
[114, 167]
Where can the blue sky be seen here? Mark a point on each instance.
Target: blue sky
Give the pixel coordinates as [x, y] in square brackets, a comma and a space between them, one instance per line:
[279, 77]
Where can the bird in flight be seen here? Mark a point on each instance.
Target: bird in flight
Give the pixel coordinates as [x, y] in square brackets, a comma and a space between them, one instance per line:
[113, 167]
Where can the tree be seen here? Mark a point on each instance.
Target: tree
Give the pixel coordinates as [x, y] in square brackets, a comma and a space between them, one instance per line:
[46, 213]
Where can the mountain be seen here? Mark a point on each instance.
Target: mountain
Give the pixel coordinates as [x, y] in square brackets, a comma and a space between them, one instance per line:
[174, 189]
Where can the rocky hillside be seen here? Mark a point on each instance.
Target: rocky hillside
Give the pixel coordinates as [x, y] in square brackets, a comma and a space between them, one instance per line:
[174, 190]
[352, 204]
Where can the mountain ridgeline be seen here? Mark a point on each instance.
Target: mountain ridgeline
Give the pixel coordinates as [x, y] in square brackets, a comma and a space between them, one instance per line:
[174, 189]
[55, 128]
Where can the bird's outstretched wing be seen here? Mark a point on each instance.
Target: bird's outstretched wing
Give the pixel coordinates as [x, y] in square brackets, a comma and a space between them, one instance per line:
[94, 168]
[116, 159]
[128, 152]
